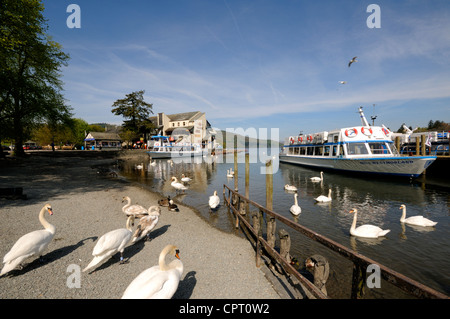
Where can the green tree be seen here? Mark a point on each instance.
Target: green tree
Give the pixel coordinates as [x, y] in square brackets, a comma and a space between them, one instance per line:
[136, 112]
[30, 62]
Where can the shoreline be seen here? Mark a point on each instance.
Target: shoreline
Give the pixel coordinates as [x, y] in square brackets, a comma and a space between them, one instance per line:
[217, 265]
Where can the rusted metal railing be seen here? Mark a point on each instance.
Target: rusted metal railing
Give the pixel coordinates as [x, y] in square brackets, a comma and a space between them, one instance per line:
[238, 202]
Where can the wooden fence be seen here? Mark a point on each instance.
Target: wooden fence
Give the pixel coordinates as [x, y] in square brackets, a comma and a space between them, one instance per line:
[265, 243]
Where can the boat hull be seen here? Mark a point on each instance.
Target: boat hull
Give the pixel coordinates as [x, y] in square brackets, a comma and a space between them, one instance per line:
[409, 166]
[173, 154]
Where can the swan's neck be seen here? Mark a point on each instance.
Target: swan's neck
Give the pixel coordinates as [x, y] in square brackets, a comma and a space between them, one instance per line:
[44, 222]
[354, 222]
[162, 260]
[403, 214]
[329, 193]
[295, 200]
[127, 204]
[130, 221]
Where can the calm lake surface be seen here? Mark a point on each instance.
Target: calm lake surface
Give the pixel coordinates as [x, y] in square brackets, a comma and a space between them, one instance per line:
[422, 254]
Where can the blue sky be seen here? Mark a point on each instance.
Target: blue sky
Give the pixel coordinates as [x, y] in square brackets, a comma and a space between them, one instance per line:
[259, 63]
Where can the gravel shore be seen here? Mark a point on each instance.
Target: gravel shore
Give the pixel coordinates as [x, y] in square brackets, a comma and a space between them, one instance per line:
[86, 205]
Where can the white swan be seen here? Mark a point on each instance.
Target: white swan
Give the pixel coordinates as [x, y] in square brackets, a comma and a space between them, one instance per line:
[214, 200]
[291, 188]
[185, 178]
[295, 209]
[153, 163]
[317, 179]
[133, 210]
[31, 244]
[415, 220]
[147, 223]
[157, 282]
[140, 166]
[177, 185]
[366, 231]
[324, 199]
[231, 171]
[229, 174]
[111, 243]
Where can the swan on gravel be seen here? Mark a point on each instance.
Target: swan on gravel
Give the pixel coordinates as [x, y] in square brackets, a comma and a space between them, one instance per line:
[135, 210]
[31, 244]
[111, 243]
[415, 220]
[157, 282]
[146, 224]
[366, 231]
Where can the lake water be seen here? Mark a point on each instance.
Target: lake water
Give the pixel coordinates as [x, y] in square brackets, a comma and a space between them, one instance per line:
[422, 254]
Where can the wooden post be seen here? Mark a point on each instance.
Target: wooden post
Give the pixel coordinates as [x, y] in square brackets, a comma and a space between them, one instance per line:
[235, 164]
[423, 145]
[285, 244]
[247, 173]
[269, 185]
[271, 228]
[358, 281]
[257, 227]
[397, 143]
[417, 146]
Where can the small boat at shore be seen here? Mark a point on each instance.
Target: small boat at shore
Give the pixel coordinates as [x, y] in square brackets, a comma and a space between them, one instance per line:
[361, 149]
[164, 148]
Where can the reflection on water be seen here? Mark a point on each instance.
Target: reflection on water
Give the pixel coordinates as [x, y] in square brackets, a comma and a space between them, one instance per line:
[420, 253]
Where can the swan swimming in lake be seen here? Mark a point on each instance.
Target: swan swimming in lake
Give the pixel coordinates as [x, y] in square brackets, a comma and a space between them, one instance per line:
[185, 178]
[157, 282]
[295, 209]
[31, 244]
[290, 188]
[177, 185]
[111, 243]
[366, 231]
[317, 179]
[415, 220]
[214, 200]
[324, 199]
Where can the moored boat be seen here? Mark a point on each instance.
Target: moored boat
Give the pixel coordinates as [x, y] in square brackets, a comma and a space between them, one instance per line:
[164, 148]
[359, 149]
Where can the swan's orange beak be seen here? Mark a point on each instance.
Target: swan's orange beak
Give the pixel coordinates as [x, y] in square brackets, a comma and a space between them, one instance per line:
[351, 211]
[176, 254]
[50, 211]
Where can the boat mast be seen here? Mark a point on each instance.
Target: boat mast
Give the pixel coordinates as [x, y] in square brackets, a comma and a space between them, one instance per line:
[363, 118]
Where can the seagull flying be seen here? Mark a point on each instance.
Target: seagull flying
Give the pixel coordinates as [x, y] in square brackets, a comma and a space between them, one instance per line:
[342, 82]
[352, 60]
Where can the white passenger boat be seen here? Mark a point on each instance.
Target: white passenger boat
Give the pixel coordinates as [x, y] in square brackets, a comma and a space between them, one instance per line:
[359, 149]
[164, 148]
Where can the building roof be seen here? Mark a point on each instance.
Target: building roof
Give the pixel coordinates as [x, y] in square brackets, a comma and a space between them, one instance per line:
[186, 116]
[102, 136]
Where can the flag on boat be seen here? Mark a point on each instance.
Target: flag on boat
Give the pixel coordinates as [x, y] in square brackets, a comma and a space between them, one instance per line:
[429, 139]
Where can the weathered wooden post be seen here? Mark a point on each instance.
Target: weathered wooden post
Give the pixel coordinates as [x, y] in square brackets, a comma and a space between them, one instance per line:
[269, 185]
[358, 281]
[271, 228]
[257, 219]
[397, 143]
[417, 146]
[422, 144]
[285, 244]
[247, 173]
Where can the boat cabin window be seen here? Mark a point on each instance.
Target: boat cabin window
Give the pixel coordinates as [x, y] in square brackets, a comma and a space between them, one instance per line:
[335, 150]
[318, 151]
[302, 150]
[326, 151]
[378, 148]
[296, 150]
[356, 149]
[310, 151]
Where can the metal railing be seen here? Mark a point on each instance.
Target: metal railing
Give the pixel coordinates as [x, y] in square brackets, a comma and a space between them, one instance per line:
[239, 204]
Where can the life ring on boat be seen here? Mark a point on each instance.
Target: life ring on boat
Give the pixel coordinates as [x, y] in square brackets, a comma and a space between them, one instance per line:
[309, 138]
[300, 139]
[291, 140]
[156, 144]
[367, 131]
[351, 132]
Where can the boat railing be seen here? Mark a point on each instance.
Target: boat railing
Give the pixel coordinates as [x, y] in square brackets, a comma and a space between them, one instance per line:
[264, 242]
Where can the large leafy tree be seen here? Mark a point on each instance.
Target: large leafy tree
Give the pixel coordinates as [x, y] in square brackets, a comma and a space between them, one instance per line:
[136, 112]
[30, 62]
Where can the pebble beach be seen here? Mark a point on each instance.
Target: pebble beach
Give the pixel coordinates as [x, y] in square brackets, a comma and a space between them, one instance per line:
[86, 205]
